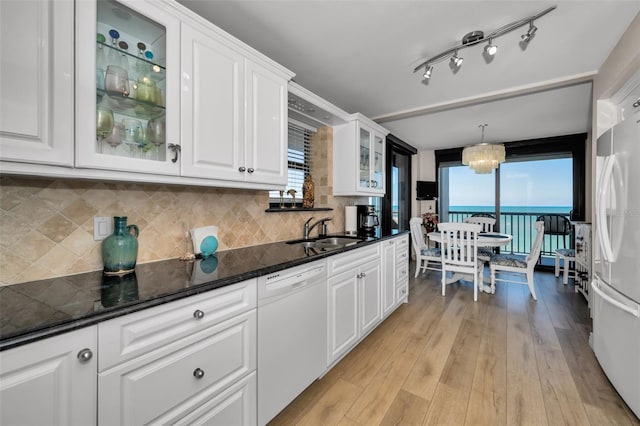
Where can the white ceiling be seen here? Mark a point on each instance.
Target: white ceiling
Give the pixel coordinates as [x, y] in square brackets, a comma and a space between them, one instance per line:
[360, 55]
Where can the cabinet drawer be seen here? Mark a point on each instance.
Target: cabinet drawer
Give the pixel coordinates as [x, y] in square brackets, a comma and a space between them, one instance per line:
[402, 291]
[402, 272]
[126, 337]
[237, 405]
[346, 261]
[161, 386]
[402, 249]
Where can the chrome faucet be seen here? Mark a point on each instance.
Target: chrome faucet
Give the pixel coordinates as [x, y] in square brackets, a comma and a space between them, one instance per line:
[321, 232]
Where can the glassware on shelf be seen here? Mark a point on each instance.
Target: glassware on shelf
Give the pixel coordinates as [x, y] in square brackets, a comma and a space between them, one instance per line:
[156, 134]
[124, 47]
[142, 68]
[146, 88]
[116, 81]
[113, 57]
[116, 137]
[101, 61]
[133, 135]
[104, 124]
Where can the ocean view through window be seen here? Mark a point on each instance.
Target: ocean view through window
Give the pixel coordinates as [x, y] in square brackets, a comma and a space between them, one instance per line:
[525, 190]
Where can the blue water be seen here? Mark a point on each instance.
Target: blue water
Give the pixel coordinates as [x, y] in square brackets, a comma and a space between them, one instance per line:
[520, 226]
[513, 209]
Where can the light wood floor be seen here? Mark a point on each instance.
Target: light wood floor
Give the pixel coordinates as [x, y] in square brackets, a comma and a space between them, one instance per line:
[505, 360]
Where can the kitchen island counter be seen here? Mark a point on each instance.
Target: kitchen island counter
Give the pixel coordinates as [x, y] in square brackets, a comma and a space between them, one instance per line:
[35, 310]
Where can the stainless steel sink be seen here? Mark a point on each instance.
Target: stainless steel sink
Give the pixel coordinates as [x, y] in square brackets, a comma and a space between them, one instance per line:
[327, 243]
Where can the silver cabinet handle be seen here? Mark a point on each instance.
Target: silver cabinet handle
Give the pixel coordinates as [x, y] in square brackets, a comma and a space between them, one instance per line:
[242, 169]
[198, 373]
[250, 170]
[198, 314]
[85, 355]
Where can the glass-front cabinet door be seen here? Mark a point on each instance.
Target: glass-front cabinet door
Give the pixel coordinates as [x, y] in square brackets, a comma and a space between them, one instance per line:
[365, 158]
[377, 162]
[128, 91]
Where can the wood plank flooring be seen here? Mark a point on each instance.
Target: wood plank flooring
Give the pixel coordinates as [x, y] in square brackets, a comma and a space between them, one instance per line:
[504, 360]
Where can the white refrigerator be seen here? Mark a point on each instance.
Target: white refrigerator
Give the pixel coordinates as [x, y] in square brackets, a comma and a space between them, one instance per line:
[616, 283]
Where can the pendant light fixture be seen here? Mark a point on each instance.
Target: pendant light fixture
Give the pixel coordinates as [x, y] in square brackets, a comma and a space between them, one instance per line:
[483, 157]
[475, 37]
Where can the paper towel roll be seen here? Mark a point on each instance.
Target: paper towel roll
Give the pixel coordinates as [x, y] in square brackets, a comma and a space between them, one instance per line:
[350, 220]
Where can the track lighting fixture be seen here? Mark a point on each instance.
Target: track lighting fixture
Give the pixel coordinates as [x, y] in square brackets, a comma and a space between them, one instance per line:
[474, 37]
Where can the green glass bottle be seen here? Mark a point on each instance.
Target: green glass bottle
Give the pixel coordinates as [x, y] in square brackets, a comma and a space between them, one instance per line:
[120, 249]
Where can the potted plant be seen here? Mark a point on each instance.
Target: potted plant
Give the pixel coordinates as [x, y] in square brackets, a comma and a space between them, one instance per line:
[430, 221]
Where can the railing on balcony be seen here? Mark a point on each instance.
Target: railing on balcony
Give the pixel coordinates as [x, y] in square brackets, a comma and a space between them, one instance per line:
[521, 226]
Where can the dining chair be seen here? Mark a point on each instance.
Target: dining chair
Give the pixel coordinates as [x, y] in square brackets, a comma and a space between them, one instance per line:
[459, 252]
[484, 253]
[507, 265]
[487, 222]
[558, 225]
[425, 255]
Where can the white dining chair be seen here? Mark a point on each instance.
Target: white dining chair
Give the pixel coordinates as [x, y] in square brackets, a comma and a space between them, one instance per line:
[507, 265]
[426, 257]
[459, 253]
[488, 223]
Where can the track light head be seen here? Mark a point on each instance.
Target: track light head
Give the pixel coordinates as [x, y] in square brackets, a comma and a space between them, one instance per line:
[456, 60]
[490, 48]
[530, 33]
[427, 72]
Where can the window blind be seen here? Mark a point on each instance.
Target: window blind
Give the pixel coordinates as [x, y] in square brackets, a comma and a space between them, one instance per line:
[298, 159]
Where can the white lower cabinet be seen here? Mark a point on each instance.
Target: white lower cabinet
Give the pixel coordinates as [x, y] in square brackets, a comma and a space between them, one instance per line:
[388, 277]
[402, 269]
[354, 299]
[199, 361]
[51, 381]
[395, 273]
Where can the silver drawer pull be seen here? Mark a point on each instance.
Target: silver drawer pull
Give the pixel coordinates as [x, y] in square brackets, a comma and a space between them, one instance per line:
[250, 170]
[242, 169]
[198, 373]
[85, 355]
[198, 314]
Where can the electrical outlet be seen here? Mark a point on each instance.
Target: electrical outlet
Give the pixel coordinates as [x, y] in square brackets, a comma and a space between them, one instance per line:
[102, 227]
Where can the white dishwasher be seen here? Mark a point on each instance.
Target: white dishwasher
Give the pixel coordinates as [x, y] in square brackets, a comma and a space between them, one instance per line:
[292, 335]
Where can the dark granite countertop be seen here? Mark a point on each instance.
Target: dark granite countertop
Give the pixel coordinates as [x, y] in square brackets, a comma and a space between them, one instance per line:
[39, 309]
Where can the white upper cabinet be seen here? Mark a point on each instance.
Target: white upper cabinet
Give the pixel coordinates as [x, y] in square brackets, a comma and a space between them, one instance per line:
[234, 114]
[36, 81]
[160, 95]
[359, 158]
[266, 141]
[128, 89]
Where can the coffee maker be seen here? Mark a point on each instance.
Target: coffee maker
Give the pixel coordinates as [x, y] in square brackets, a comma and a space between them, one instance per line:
[367, 220]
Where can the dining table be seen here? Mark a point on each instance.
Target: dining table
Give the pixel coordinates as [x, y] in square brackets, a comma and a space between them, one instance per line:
[485, 239]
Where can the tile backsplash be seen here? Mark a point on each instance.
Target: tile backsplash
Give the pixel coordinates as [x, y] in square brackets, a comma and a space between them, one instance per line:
[46, 225]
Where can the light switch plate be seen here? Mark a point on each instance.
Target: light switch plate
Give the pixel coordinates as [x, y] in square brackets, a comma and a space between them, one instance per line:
[102, 227]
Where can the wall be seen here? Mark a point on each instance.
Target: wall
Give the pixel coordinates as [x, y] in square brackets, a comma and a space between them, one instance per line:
[46, 226]
[423, 168]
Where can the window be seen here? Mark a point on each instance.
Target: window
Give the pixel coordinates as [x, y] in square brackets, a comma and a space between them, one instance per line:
[299, 163]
